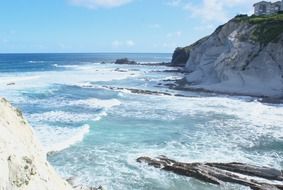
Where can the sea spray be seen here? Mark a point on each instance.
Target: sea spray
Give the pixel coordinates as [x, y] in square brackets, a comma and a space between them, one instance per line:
[62, 137]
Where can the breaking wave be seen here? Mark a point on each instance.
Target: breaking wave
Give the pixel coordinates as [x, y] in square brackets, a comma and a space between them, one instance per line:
[62, 137]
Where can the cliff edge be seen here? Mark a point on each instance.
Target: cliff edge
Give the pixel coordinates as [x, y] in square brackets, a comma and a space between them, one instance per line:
[23, 164]
[243, 56]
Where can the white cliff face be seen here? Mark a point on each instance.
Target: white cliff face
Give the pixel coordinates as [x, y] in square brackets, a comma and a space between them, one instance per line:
[23, 164]
[230, 61]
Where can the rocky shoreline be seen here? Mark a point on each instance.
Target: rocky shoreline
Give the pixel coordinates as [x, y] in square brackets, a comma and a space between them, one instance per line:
[183, 85]
[23, 162]
[241, 57]
[255, 177]
[235, 60]
[126, 61]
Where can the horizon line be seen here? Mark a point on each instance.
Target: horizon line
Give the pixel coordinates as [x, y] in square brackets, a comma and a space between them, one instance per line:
[85, 53]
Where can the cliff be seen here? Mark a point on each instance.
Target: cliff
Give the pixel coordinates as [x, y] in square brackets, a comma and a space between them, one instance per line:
[23, 164]
[182, 54]
[243, 56]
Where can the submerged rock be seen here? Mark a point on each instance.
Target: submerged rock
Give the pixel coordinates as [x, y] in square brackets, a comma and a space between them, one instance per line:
[125, 61]
[120, 70]
[139, 91]
[255, 177]
[73, 183]
[11, 84]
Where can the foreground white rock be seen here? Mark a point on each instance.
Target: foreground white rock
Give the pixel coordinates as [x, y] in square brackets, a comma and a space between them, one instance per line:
[23, 164]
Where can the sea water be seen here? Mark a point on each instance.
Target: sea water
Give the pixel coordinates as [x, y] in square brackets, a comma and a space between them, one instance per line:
[94, 128]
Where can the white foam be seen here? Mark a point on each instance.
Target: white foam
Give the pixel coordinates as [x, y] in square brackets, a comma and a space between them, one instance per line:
[207, 130]
[252, 112]
[149, 62]
[9, 79]
[66, 66]
[100, 116]
[36, 61]
[97, 103]
[78, 75]
[221, 127]
[124, 91]
[60, 102]
[61, 116]
[85, 85]
[62, 137]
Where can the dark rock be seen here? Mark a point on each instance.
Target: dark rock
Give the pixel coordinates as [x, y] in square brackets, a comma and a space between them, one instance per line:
[263, 172]
[180, 56]
[217, 173]
[140, 91]
[72, 182]
[125, 61]
[181, 70]
[11, 83]
[156, 64]
[120, 70]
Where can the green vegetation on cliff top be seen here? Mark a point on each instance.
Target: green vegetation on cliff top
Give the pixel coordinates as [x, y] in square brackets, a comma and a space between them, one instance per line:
[268, 28]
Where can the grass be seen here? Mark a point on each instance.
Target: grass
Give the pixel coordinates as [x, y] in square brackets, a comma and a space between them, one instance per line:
[268, 32]
[263, 19]
[259, 19]
[268, 28]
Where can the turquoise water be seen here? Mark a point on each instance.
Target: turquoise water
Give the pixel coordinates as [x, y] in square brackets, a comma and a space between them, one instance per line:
[97, 133]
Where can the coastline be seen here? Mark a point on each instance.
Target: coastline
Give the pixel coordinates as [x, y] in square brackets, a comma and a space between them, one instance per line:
[22, 160]
[145, 114]
[179, 85]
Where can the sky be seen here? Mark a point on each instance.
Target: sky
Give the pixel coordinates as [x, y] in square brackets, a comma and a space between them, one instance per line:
[53, 26]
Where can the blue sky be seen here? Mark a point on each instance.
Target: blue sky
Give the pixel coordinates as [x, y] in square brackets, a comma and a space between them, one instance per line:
[34, 26]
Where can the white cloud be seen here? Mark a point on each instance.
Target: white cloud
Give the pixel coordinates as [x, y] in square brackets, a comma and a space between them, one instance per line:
[177, 34]
[204, 28]
[215, 10]
[130, 43]
[208, 10]
[4, 40]
[116, 43]
[63, 46]
[93, 4]
[120, 44]
[169, 45]
[174, 3]
[155, 26]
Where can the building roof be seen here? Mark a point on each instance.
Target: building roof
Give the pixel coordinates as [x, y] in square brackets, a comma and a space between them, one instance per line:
[262, 2]
[267, 2]
[277, 2]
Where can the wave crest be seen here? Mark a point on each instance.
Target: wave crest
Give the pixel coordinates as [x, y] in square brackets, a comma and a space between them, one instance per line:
[97, 103]
[68, 117]
[62, 137]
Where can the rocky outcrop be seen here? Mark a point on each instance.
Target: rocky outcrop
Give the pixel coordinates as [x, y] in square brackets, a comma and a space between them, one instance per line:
[23, 164]
[125, 61]
[255, 177]
[244, 56]
[77, 186]
[182, 54]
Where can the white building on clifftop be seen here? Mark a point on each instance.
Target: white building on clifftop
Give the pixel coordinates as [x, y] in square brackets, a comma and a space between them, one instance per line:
[267, 8]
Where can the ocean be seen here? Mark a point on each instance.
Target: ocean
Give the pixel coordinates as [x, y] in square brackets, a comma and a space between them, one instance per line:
[94, 127]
